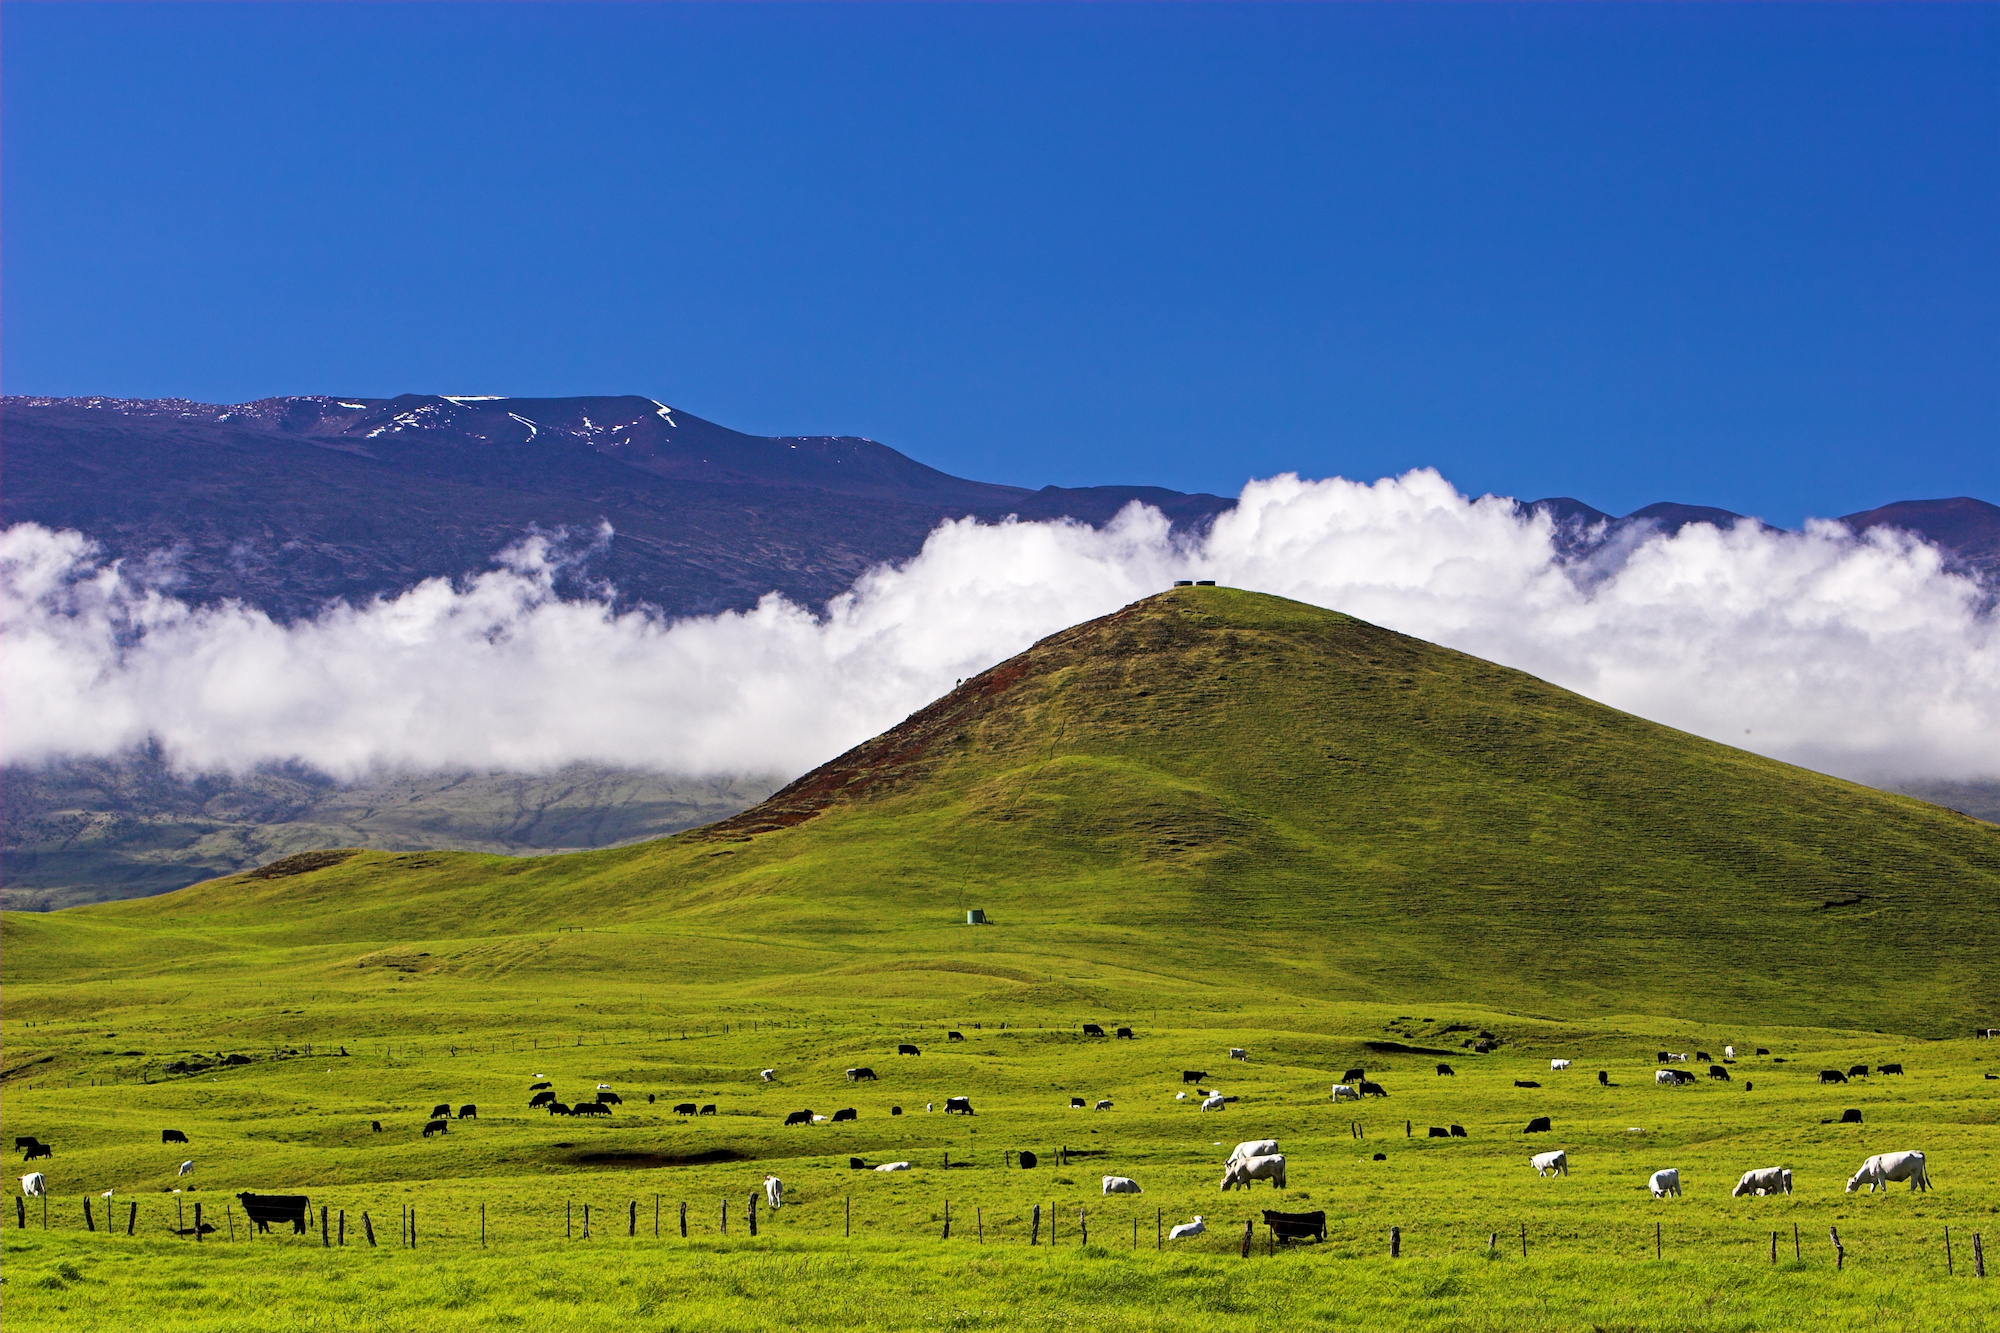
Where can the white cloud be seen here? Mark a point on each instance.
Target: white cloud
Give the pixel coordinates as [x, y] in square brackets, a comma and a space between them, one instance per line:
[1860, 656]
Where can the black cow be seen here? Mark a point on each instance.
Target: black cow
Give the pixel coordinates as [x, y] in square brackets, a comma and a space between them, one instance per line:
[1763, 1050]
[844, 1113]
[1703, 1056]
[590, 1108]
[1604, 1077]
[962, 1105]
[1092, 1030]
[540, 1099]
[1372, 1089]
[1539, 1125]
[1458, 1131]
[907, 1049]
[685, 1108]
[1526, 1083]
[709, 1109]
[862, 1074]
[537, 1087]
[954, 1036]
[650, 1099]
[799, 1118]
[895, 1110]
[264, 1209]
[1076, 1103]
[172, 1136]
[1438, 1132]
[1123, 1032]
[437, 1127]
[1354, 1076]
[1717, 1071]
[1193, 1075]
[610, 1099]
[856, 1164]
[1446, 1071]
[1850, 1117]
[37, 1150]
[1890, 1069]
[1381, 1157]
[468, 1112]
[1857, 1071]
[1832, 1076]
[442, 1111]
[377, 1124]
[1747, 1085]
[1029, 1161]
[1662, 1057]
[559, 1108]
[25, 1140]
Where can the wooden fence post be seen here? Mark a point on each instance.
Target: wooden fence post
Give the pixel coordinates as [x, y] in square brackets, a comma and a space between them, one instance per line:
[1947, 1251]
[413, 1223]
[325, 1241]
[753, 1212]
[1524, 1240]
[1797, 1257]
[1978, 1257]
[89, 1223]
[947, 1221]
[684, 1219]
[368, 1228]
[632, 1219]
[847, 1227]
[228, 1215]
[1159, 1228]
[1035, 1227]
[132, 1221]
[656, 1217]
[567, 1206]
[1492, 1241]
[1839, 1250]
[725, 1217]
[1774, 1247]
[1658, 1249]
[21, 1212]
[197, 1221]
[1083, 1226]
[1249, 1234]
[586, 1208]
[979, 1225]
[482, 1224]
[343, 1226]
[1395, 1242]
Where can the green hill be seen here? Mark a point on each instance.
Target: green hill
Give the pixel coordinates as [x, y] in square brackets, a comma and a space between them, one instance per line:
[1209, 792]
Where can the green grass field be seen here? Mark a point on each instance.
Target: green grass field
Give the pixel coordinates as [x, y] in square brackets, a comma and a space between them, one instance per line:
[1223, 820]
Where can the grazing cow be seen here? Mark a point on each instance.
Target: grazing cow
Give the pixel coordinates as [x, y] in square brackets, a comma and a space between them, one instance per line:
[540, 1099]
[893, 1166]
[1717, 1071]
[1254, 1148]
[1662, 1058]
[1187, 1076]
[861, 1074]
[954, 1036]
[377, 1124]
[1092, 1030]
[1763, 1050]
[37, 1150]
[437, 1127]
[264, 1209]
[610, 1099]
[1747, 1085]
[1604, 1078]
[1125, 1033]
[560, 1108]
[187, 1167]
[895, 1110]
[1832, 1076]
[1343, 1090]
[799, 1118]
[907, 1049]
[537, 1087]
[25, 1140]
[1677, 1056]
[1372, 1089]
[590, 1108]
[1187, 1230]
[1539, 1125]
[1238, 1053]
[844, 1113]
[1857, 1071]
[1666, 1078]
[1076, 1103]
[1439, 1132]
[774, 1192]
[1888, 1166]
[1764, 1180]
[1242, 1170]
[172, 1136]
[1458, 1131]
[1121, 1185]
[768, 1075]
[442, 1111]
[468, 1112]
[962, 1105]
[1889, 1069]
[1446, 1071]
[685, 1108]
[1029, 1161]
[1103, 1104]
[708, 1108]
[1851, 1116]
[1703, 1056]
[1558, 1064]
[1729, 1052]
[1354, 1076]
[1551, 1163]
[1666, 1182]
[1381, 1157]
[1215, 1103]
[856, 1164]
[34, 1184]
[1526, 1083]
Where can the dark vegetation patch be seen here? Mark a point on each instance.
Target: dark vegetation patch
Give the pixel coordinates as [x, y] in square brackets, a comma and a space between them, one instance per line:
[629, 1159]
[1398, 1048]
[304, 863]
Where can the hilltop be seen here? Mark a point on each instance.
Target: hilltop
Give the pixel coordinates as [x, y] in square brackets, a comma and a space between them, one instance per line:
[1207, 787]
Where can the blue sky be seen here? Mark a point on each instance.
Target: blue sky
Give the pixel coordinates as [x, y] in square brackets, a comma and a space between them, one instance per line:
[1737, 255]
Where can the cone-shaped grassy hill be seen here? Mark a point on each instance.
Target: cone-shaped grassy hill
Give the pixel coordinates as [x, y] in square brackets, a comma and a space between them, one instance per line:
[1207, 788]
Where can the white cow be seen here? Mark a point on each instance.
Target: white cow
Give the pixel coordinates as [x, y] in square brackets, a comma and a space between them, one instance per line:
[604, 1087]
[1214, 1103]
[774, 1190]
[1666, 1182]
[768, 1075]
[1729, 1052]
[1346, 1091]
[1764, 1180]
[34, 1184]
[1556, 1162]
[187, 1167]
[1254, 1148]
[1665, 1078]
[1121, 1185]
[1187, 1230]
[1241, 1171]
[1888, 1166]
[1678, 1055]
[1180, 1096]
[1238, 1053]
[893, 1166]
[1558, 1064]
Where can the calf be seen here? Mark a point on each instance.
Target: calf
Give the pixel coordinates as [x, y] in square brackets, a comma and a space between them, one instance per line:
[442, 1111]
[1125, 1033]
[1526, 1083]
[1372, 1089]
[708, 1108]
[1458, 1131]
[264, 1209]
[1439, 1132]
[1764, 1180]
[1446, 1071]
[1832, 1076]
[685, 1108]
[954, 1036]
[1885, 1167]
[172, 1136]
[1717, 1071]
[540, 1099]
[845, 1113]
[1664, 1183]
[861, 1074]
[437, 1127]
[1187, 1076]
[590, 1108]
[1539, 1125]
[1092, 1030]
[1551, 1163]
[907, 1049]
[1354, 1076]
[37, 1150]
[799, 1118]
[1242, 1170]
[1121, 1185]
[961, 1105]
[1889, 1069]
[468, 1112]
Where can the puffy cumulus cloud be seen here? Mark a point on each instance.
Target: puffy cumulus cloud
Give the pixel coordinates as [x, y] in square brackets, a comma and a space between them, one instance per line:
[1860, 656]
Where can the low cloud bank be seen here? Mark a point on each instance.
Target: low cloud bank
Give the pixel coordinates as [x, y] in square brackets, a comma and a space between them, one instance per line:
[1860, 656]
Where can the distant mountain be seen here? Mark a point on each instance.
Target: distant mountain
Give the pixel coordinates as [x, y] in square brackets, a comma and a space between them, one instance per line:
[286, 503]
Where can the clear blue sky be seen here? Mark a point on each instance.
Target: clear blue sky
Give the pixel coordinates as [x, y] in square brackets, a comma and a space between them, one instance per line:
[1745, 255]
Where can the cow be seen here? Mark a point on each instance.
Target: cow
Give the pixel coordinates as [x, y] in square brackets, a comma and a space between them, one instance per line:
[35, 1185]
[1851, 1116]
[961, 1105]
[1539, 1125]
[468, 1112]
[1354, 1076]
[907, 1049]
[1343, 1090]
[1666, 1182]
[1092, 1030]
[1121, 1185]
[609, 1099]
[264, 1209]
[768, 1075]
[1254, 1148]
[25, 1140]
[1763, 1050]
[37, 1150]
[1458, 1131]
[442, 1111]
[1372, 1089]
[1832, 1076]
[1103, 1104]
[799, 1118]
[954, 1036]
[856, 1164]
[590, 1108]
[1703, 1056]
[437, 1127]
[1187, 1230]
[1446, 1071]
[537, 1087]
[708, 1108]
[1661, 1058]
[1857, 1071]
[1076, 1103]
[1747, 1085]
[1666, 1078]
[541, 1099]
[1187, 1076]
[774, 1192]
[685, 1108]
[893, 1166]
[1679, 1057]
[895, 1110]
[1889, 1069]
[1603, 1078]
[172, 1136]
[1885, 1167]
[1717, 1071]
[1439, 1132]
[1238, 1053]
[1551, 1163]
[1241, 1171]
[1558, 1064]
[1769, 1180]
[1124, 1033]
[1526, 1083]
[376, 1125]
[1029, 1161]
[844, 1113]
[861, 1074]
[1214, 1103]
[1729, 1052]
